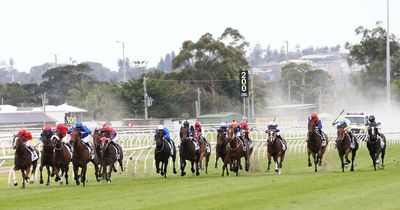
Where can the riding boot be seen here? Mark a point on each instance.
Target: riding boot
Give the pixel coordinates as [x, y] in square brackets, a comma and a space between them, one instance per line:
[91, 150]
[118, 150]
[172, 146]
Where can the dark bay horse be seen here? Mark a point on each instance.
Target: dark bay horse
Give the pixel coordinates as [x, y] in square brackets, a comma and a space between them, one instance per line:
[275, 150]
[314, 144]
[235, 151]
[220, 148]
[203, 151]
[162, 153]
[46, 159]
[61, 158]
[187, 151]
[23, 161]
[108, 156]
[374, 145]
[343, 145]
[80, 158]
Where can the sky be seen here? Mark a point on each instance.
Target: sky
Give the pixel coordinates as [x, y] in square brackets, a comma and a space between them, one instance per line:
[87, 30]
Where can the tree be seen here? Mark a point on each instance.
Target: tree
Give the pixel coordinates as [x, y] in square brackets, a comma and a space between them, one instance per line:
[256, 55]
[215, 63]
[61, 79]
[370, 54]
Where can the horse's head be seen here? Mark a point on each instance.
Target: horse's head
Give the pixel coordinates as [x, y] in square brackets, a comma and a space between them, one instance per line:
[104, 143]
[56, 140]
[271, 135]
[311, 124]
[75, 136]
[158, 138]
[184, 134]
[229, 132]
[96, 139]
[340, 133]
[46, 138]
[373, 132]
[220, 136]
[17, 141]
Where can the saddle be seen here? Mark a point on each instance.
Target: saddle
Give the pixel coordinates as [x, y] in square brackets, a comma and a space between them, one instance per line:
[34, 155]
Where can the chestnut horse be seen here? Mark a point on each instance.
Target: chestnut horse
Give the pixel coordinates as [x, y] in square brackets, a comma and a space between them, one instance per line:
[23, 161]
[187, 151]
[203, 151]
[314, 144]
[343, 145]
[61, 158]
[80, 158]
[374, 145]
[275, 150]
[162, 153]
[235, 151]
[46, 158]
[220, 148]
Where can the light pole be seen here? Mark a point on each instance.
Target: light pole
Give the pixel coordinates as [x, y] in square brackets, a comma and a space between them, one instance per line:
[123, 60]
[388, 94]
[287, 51]
[55, 57]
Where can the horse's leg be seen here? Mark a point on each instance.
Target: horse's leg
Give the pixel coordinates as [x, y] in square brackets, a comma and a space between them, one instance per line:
[48, 175]
[282, 157]
[157, 166]
[96, 169]
[347, 152]
[41, 176]
[173, 162]
[104, 171]
[14, 178]
[197, 168]
[237, 168]
[162, 169]
[341, 160]
[216, 159]
[383, 156]
[66, 175]
[315, 157]
[76, 176]
[276, 163]
[207, 160]
[269, 161]
[23, 178]
[309, 161]
[372, 154]
[83, 175]
[165, 168]
[353, 157]
[55, 171]
[109, 172]
[183, 165]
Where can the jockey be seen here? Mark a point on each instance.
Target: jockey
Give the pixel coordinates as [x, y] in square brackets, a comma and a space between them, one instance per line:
[85, 135]
[26, 137]
[167, 137]
[236, 128]
[63, 130]
[315, 118]
[246, 130]
[109, 133]
[191, 136]
[274, 126]
[372, 122]
[46, 128]
[198, 130]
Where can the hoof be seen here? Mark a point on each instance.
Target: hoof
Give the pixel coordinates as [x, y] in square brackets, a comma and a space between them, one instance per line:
[23, 187]
[41, 181]
[162, 173]
[15, 184]
[78, 183]
[61, 183]
[175, 172]
[276, 170]
[47, 184]
[309, 164]
[30, 182]
[183, 173]
[197, 173]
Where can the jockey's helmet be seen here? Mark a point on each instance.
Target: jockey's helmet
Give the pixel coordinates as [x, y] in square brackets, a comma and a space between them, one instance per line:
[186, 124]
[197, 124]
[78, 124]
[47, 128]
[371, 118]
[314, 116]
[160, 127]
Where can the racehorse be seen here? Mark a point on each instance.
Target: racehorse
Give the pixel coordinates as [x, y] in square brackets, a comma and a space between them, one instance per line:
[235, 151]
[23, 161]
[80, 158]
[46, 158]
[108, 156]
[275, 150]
[162, 153]
[220, 148]
[187, 151]
[204, 153]
[61, 158]
[374, 145]
[343, 145]
[314, 144]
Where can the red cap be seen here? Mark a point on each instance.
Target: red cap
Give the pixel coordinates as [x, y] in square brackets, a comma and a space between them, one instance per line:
[197, 124]
[313, 115]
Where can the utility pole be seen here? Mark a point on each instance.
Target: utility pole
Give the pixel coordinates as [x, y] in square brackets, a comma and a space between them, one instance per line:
[145, 97]
[123, 60]
[287, 51]
[388, 94]
[44, 101]
[198, 102]
[244, 107]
